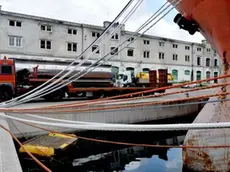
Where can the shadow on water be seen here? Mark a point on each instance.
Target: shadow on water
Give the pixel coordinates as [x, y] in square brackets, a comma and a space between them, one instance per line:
[95, 156]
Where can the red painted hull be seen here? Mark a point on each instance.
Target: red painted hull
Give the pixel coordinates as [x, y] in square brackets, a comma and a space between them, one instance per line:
[213, 17]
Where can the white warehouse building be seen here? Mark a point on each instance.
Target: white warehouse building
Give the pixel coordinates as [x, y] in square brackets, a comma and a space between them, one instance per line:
[31, 37]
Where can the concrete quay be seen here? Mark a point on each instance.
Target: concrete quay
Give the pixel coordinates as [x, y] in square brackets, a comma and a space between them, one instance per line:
[129, 115]
[9, 161]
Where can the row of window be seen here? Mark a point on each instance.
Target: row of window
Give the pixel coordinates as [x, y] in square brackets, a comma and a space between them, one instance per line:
[43, 27]
[16, 41]
[175, 72]
[48, 28]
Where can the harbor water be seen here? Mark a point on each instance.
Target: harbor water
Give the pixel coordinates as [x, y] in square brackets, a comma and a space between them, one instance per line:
[94, 156]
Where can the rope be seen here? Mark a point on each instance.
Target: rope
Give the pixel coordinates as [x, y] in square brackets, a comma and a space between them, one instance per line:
[123, 106]
[103, 33]
[123, 100]
[131, 42]
[132, 144]
[82, 122]
[33, 157]
[130, 127]
[120, 96]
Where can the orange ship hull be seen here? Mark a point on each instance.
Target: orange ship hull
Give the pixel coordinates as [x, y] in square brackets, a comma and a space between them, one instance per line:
[213, 20]
[213, 17]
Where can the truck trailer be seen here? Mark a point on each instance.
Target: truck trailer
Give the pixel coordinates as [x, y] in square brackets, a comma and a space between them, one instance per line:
[95, 84]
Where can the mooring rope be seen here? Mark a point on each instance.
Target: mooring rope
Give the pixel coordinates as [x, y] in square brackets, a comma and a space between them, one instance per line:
[123, 106]
[30, 154]
[128, 127]
[131, 144]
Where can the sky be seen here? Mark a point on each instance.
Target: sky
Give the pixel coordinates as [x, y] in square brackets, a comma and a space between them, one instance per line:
[97, 11]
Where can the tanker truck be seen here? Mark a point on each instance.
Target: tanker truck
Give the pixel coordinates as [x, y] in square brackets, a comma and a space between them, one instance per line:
[96, 84]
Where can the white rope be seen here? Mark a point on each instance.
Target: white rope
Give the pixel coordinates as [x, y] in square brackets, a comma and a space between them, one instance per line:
[47, 88]
[110, 52]
[129, 127]
[105, 31]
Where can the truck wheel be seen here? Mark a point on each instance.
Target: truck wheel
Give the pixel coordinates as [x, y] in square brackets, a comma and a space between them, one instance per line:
[5, 93]
[58, 95]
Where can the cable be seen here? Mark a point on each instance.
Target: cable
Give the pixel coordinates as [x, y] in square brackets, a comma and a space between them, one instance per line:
[132, 105]
[123, 100]
[92, 53]
[31, 155]
[130, 127]
[135, 105]
[104, 32]
[131, 144]
[96, 62]
[155, 107]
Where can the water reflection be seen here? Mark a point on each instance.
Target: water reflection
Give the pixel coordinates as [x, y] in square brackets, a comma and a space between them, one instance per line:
[94, 156]
[135, 159]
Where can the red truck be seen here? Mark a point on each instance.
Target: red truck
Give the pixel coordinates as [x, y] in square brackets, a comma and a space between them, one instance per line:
[92, 85]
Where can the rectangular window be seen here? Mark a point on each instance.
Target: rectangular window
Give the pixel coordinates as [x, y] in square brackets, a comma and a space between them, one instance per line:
[114, 51]
[15, 41]
[146, 42]
[71, 46]
[94, 48]
[15, 23]
[11, 40]
[116, 37]
[72, 31]
[130, 39]
[74, 47]
[95, 34]
[6, 70]
[161, 44]
[198, 49]
[130, 52]
[187, 58]
[208, 50]
[198, 61]
[19, 24]
[146, 54]
[18, 41]
[161, 55]
[11, 22]
[187, 47]
[46, 28]
[175, 46]
[43, 27]
[45, 44]
[175, 56]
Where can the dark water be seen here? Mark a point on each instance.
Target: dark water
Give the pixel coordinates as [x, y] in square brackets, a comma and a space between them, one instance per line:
[94, 156]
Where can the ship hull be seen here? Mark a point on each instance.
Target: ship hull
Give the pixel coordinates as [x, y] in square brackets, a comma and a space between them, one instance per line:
[213, 18]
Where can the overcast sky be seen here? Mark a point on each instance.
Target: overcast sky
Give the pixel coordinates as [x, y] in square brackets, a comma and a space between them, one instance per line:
[97, 11]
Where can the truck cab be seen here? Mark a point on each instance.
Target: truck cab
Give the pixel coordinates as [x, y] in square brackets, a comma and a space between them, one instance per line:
[7, 79]
[125, 79]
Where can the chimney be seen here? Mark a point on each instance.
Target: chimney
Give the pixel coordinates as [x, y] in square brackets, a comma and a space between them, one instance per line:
[0, 8]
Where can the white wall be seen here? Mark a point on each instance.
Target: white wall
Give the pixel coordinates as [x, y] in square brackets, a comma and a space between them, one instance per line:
[31, 33]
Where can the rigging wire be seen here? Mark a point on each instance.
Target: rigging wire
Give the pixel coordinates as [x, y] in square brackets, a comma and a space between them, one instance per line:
[121, 100]
[112, 101]
[132, 105]
[130, 144]
[103, 33]
[147, 108]
[116, 47]
[129, 127]
[30, 154]
[92, 53]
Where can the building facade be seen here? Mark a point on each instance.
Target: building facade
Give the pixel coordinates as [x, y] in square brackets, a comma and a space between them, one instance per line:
[31, 37]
